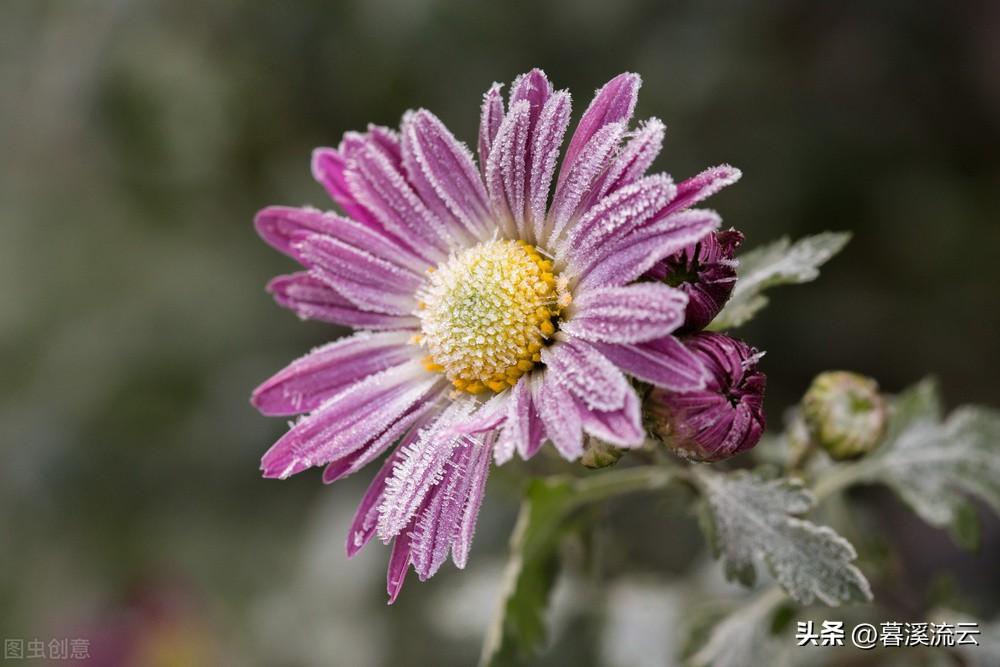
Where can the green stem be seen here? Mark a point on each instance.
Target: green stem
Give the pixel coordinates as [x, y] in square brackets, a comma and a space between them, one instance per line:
[840, 478]
[627, 480]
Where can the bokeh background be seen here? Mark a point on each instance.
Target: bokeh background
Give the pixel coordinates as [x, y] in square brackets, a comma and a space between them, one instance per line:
[138, 138]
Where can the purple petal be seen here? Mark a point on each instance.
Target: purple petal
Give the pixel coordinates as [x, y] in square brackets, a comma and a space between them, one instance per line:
[613, 103]
[631, 256]
[367, 281]
[489, 416]
[477, 473]
[506, 170]
[375, 180]
[547, 137]
[663, 362]
[281, 226]
[702, 186]
[559, 414]
[308, 381]
[578, 180]
[355, 461]
[312, 299]
[586, 373]
[490, 119]
[621, 427]
[522, 430]
[534, 88]
[419, 469]
[635, 158]
[630, 314]
[399, 565]
[366, 517]
[436, 525]
[328, 167]
[623, 212]
[444, 171]
[349, 420]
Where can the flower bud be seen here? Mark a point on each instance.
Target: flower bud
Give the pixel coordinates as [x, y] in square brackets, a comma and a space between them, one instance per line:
[724, 418]
[600, 454]
[706, 272]
[845, 413]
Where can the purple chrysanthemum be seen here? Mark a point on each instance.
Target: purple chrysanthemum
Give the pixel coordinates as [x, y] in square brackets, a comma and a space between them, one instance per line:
[706, 272]
[493, 317]
[723, 418]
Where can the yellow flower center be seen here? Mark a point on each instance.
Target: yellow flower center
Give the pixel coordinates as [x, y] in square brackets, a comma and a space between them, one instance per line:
[487, 312]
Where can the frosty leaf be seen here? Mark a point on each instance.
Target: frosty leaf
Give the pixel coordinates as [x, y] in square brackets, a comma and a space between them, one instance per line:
[519, 628]
[779, 263]
[546, 516]
[739, 638]
[750, 520]
[935, 466]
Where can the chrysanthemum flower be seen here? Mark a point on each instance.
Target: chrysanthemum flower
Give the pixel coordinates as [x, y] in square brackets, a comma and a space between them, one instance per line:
[723, 418]
[706, 272]
[495, 313]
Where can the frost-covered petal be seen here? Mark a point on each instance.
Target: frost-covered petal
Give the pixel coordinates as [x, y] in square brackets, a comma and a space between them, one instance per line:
[415, 418]
[629, 314]
[349, 420]
[443, 170]
[534, 88]
[477, 473]
[399, 564]
[702, 186]
[309, 380]
[622, 261]
[621, 427]
[523, 431]
[663, 362]
[634, 159]
[580, 179]
[365, 519]
[490, 118]
[623, 212]
[376, 181]
[312, 299]
[506, 168]
[547, 137]
[559, 414]
[435, 526]
[487, 417]
[419, 469]
[367, 281]
[328, 168]
[614, 103]
[586, 373]
[282, 226]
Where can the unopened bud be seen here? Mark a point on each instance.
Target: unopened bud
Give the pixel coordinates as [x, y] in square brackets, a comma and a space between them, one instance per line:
[721, 420]
[599, 454]
[845, 413]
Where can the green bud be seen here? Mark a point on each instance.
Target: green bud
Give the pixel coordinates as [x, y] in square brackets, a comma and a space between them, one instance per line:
[845, 414]
[599, 454]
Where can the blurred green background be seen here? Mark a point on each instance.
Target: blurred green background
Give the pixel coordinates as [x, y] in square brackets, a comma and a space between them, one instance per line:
[138, 138]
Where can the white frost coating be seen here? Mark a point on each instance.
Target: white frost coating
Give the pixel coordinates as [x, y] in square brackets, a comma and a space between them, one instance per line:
[548, 137]
[752, 521]
[506, 171]
[588, 166]
[418, 469]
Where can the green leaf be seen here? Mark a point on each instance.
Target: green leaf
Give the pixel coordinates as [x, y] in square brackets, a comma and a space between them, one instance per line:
[778, 263]
[935, 465]
[753, 520]
[739, 638]
[547, 515]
